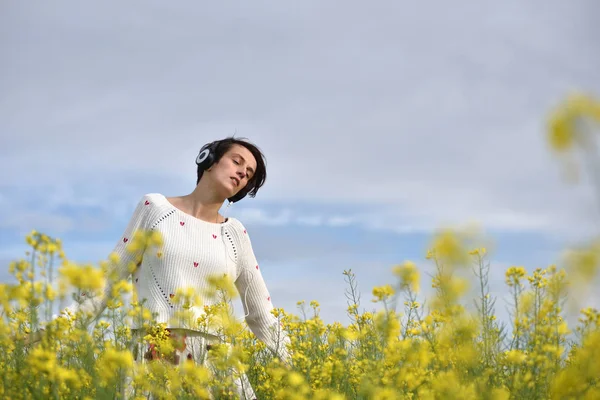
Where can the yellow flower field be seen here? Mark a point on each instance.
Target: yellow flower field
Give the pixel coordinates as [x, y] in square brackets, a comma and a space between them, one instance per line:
[432, 350]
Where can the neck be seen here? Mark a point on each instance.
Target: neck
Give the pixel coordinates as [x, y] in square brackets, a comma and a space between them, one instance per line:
[204, 203]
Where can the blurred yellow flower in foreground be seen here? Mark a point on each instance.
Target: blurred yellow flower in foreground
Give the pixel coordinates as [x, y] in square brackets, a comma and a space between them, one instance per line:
[450, 247]
[408, 274]
[437, 349]
[84, 277]
[562, 129]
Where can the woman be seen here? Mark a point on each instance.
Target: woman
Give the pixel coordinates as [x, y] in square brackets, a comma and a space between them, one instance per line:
[198, 242]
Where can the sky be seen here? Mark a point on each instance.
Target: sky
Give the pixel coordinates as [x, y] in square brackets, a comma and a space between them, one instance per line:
[380, 123]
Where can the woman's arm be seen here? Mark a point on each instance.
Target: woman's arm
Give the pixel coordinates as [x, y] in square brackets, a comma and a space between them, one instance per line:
[125, 258]
[257, 300]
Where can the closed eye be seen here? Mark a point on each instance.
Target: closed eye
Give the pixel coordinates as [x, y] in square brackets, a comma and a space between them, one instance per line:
[249, 170]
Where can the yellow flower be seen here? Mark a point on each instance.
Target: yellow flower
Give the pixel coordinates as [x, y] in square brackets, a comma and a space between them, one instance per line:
[114, 258]
[562, 133]
[515, 357]
[514, 275]
[584, 263]
[382, 292]
[42, 360]
[111, 361]
[220, 284]
[445, 352]
[478, 252]
[295, 379]
[409, 276]
[500, 394]
[83, 277]
[384, 393]
[156, 239]
[449, 247]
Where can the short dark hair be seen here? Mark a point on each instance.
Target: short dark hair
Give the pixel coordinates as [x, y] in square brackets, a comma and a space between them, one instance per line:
[260, 175]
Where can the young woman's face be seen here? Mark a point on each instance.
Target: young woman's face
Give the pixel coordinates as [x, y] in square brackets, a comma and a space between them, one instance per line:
[234, 170]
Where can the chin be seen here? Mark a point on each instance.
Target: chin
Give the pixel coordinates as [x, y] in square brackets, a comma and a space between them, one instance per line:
[230, 190]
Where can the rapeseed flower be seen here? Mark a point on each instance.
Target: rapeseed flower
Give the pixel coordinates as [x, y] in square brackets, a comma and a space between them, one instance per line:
[84, 277]
[408, 275]
[514, 275]
[563, 132]
[382, 293]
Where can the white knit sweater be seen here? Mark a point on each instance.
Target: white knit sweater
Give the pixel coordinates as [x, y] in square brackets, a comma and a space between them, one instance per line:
[192, 250]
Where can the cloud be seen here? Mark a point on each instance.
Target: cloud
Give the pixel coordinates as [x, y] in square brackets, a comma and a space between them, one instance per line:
[379, 122]
[428, 113]
[25, 221]
[257, 215]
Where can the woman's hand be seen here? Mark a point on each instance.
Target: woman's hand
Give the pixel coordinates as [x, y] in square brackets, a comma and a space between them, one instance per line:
[33, 337]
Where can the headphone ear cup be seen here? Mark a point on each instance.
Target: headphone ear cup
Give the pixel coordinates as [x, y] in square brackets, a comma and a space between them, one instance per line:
[206, 157]
[240, 195]
[237, 197]
[202, 156]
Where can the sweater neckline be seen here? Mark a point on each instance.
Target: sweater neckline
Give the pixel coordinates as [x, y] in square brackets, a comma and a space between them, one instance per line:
[180, 211]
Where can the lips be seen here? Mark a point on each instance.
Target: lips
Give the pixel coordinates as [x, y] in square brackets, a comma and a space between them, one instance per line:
[237, 181]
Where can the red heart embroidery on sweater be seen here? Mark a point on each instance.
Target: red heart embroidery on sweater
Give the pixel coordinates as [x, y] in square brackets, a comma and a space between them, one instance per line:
[181, 223]
[147, 202]
[244, 231]
[257, 267]
[171, 295]
[214, 236]
[125, 240]
[269, 298]
[195, 264]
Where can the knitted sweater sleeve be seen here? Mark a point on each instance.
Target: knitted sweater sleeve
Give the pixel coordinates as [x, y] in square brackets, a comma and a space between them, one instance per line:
[256, 301]
[128, 251]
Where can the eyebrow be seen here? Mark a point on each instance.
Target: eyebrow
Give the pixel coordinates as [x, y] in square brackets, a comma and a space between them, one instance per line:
[240, 156]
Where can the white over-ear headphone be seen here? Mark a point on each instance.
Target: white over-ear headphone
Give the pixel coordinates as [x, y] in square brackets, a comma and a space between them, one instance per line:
[202, 156]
